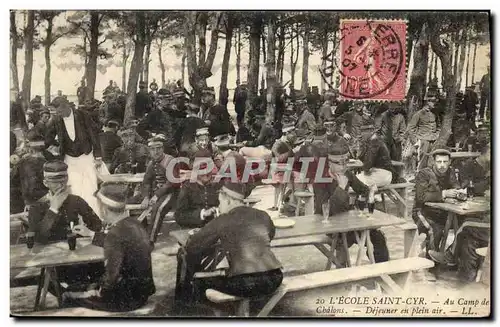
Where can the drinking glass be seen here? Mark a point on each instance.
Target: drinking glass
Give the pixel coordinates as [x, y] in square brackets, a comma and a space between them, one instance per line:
[30, 240]
[469, 147]
[71, 241]
[325, 207]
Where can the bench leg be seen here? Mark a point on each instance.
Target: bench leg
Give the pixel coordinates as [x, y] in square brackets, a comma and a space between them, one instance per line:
[361, 244]
[280, 293]
[369, 248]
[346, 249]
[403, 280]
[382, 194]
[45, 288]
[331, 256]
[243, 309]
[410, 240]
[41, 279]
[389, 285]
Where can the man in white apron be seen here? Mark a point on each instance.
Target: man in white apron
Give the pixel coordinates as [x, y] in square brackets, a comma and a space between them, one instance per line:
[79, 147]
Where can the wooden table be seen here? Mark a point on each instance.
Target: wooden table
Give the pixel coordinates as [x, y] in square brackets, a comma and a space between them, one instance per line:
[125, 178]
[48, 257]
[464, 155]
[358, 164]
[476, 206]
[312, 225]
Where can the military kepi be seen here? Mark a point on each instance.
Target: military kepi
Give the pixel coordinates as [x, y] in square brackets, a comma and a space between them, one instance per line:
[113, 195]
[55, 171]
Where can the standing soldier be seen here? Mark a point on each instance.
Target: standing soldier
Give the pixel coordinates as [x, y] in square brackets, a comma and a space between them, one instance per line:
[109, 141]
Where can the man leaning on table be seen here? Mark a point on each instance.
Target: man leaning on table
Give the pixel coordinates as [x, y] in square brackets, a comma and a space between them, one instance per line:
[50, 217]
[462, 253]
[337, 193]
[434, 184]
[127, 281]
[245, 234]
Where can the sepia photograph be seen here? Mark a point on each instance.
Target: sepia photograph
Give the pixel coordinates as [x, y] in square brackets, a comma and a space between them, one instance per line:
[281, 164]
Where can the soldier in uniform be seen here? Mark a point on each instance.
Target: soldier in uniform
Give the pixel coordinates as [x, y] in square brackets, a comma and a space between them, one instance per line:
[158, 191]
[433, 184]
[203, 142]
[306, 124]
[31, 170]
[198, 201]
[127, 281]
[41, 126]
[215, 116]
[188, 128]
[110, 141]
[131, 157]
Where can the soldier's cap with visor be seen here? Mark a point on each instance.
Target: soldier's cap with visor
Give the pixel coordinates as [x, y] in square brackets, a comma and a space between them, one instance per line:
[288, 129]
[338, 151]
[238, 191]
[55, 171]
[113, 194]
[157, 140]
[202, 131]
[35, 140]
[441, 152]
[208, 91]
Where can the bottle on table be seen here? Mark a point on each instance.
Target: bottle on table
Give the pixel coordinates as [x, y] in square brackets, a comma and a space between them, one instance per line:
[470, 190]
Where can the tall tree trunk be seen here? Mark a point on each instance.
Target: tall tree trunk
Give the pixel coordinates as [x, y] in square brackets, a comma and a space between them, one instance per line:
[264, 62]
[92, 64]
[147, 56]
[162, 65]
[305, 59]
[461, 60]
[136, 65]
[294, 56]
[281, 55]
[444, 52]
[473, 80]
[254, 59]
[48, 44]
[418, 76]
[455, 57]
[183, 67]
[125, 55]
[334, 42]
[435, 65]
[467, 65]
[238, 54]
[14, 37]
[223, 95]
[28, 57]
[271, 70]
[324, 53]
[431, 68]
[192, 66]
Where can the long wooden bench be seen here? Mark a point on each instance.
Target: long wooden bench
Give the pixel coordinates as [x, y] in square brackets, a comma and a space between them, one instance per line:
[393, 192]
[84, 312]
[391, 275]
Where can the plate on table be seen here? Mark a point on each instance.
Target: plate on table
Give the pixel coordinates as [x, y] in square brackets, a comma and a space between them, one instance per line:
[352, 161]
[283, 223]
[193, 231]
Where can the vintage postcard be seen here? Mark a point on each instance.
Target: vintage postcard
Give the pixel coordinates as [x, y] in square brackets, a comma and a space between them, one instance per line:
[250, 163]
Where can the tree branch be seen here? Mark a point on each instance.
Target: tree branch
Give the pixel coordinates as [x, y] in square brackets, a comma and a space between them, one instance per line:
[213, 45]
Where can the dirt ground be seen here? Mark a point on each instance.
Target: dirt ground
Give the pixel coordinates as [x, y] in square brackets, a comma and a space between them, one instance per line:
[294, 262]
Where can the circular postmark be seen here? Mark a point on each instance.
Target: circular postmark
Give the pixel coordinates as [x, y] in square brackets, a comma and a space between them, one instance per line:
[371, 59]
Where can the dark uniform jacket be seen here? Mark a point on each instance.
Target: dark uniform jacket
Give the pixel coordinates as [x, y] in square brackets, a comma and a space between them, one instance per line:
[245, 234]
[374, 154]
[109, 143]
[267, 137]
[86, 136]
[187, 130]
[125, 158]
[128, 275]
[143, 104]
[192, 198]
[50, 226]
[155, 179]
[428, 188]
[220, 121]
[31, 174]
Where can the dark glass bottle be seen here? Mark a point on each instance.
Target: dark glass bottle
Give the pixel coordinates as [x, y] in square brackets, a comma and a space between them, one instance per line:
[470, 189]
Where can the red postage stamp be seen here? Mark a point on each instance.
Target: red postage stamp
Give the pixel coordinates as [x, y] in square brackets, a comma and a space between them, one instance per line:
[372, 63]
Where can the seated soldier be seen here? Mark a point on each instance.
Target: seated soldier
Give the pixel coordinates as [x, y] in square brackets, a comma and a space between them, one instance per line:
[30, 169]
[158, 191]
[306, 123]
[40, 127]
[203, 142]
[198, 201]
[337, 193]
[245, 234]
[265, 137]
[377, 167]
[434, 184]
[110, 141]
[463, 250]
[127, 281]
[131, 157]
[51, 216]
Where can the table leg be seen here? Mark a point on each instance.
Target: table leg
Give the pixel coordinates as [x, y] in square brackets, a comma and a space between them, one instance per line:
[45, 289]
[346, 249]
[447, 226]
[39, 288]
[410, 237]
[369, 248]
[361, 245]
[57, 287]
